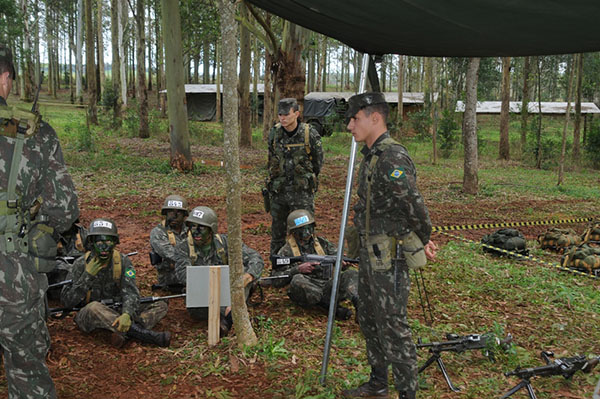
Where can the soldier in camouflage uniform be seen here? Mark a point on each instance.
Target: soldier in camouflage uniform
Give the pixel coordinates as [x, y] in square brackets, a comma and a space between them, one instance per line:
[103, 273]
[389, 207]
[308, 284]
[165, 237]
[295, 160]
[206, 247]
[36, 188]
[70, 247]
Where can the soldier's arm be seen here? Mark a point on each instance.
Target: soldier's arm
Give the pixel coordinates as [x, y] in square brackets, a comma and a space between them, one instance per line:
[58, 191]
[182, 261]
[130, 295]
[253, 262]
[316, 151]
[159, 241]
[73, 294]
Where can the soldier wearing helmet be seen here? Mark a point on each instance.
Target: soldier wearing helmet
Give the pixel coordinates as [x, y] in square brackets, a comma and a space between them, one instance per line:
[295, 160]
[308, 286]
[164, 238]
[206, 247]
[37, 198]
[104, 273]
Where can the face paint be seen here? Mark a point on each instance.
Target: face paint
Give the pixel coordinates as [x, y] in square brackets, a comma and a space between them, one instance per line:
[304, 234]
[175, 219]
[202, 235]
[103, 246]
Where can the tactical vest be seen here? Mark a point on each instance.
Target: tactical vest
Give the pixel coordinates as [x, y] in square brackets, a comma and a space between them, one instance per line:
[291, 164]
[558, 239]
[116, 265]
[583, 257]
[17, 233]
[219, 244]
[296, 249]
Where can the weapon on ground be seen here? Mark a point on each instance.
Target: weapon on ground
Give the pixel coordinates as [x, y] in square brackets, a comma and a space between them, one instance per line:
[326, 262]
[60, 313]
[60, 284]
[455, 343]
[274, 277]
[565, 366]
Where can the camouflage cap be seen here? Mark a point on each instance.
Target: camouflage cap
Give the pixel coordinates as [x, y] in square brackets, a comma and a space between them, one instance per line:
[360, 101]
[6, 56]
[285, 104]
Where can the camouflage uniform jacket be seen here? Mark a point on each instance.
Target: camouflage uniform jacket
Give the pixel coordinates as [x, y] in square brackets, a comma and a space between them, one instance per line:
[42, 174]
[292, 269]
[291, 167]
[160, 243]
[396, 204]
[253, 262]
[102, 286]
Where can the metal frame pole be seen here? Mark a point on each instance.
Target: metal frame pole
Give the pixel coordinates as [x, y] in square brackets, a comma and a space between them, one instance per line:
[340, 249]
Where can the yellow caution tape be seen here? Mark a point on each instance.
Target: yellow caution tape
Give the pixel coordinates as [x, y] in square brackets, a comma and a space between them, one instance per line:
[507, 224]
[551, 264]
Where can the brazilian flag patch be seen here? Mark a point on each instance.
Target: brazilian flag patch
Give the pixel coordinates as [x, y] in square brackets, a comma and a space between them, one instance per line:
[130, 273]
[396, 174]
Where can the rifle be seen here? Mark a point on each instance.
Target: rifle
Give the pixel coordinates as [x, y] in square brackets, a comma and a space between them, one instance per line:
[34, 107]
[61, 313]
[565, 366]
[326, 262]
[459, 344]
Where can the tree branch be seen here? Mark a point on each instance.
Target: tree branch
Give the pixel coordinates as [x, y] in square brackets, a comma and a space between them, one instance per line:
[275, 45]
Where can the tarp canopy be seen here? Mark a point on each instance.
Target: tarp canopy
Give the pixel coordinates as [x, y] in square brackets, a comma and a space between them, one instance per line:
[464, 28]
[555, 107]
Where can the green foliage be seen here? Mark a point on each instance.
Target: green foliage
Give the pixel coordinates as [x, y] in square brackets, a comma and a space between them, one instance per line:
[592, 145]
[420, 121]
[131, 119]
[109, 95]
[84, 138]
[448, 133]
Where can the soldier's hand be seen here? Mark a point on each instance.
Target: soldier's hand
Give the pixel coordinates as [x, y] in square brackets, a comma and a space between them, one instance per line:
[122, 323]
[430, 250]
[247, 279]
[94, 265]
[307, 267]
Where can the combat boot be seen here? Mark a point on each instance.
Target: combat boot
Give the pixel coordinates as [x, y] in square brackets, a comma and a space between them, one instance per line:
[342, 313]
[376, 387]
[141, 334]
[225, 324]
[407, 395]
[118, 339]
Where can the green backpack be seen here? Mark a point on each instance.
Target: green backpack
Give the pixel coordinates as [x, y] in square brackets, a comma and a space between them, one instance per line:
[592, 233]
[508, 239]
[583, 257]
[558, 239]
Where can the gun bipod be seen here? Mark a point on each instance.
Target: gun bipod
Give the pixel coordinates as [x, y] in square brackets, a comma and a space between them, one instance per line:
[436, 357]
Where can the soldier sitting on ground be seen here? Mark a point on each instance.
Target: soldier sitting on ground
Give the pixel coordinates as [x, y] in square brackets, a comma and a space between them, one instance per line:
[308, 284]
[103, 273]
[206, 247]
[164, 238]
[70, 247]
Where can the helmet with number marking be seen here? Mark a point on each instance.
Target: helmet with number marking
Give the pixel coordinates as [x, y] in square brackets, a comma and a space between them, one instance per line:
[299, 218]
[203, 216]
[101, 227]
[175, 202]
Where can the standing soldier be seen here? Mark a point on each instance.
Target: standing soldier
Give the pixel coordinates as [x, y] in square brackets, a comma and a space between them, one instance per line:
[104, 273]
[310, 284]
[389, 213]
[37, 196]
[206, 247]
[164, 238]
[295, 160]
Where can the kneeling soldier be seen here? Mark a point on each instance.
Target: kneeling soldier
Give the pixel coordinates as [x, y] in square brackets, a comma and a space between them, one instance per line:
[206, 247]
[103, 273]
[309, 286]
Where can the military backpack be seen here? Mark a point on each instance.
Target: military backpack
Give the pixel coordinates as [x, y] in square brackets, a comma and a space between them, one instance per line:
[511, 240]
[558, 239]
[592, 233]
[583, 257]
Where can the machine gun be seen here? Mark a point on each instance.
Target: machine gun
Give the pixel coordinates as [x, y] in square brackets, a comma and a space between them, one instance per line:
[455, 343]
[565, 366]
[61, 313]
[326, 262]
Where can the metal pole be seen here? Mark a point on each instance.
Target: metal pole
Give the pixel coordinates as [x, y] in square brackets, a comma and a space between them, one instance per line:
[340, 249]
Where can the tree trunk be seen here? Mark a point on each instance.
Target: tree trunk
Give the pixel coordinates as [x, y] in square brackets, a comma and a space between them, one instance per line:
[90, 63]
[244, 332]
[538, 144]
[142, 90]
[525, 103]
[178, 123]
[244, 81]
[563, 151]
[504, 146]
[116, 60]
[100, 47]
[430, 103]
[159, 52]
[471, 162]
[26, 63]
[321, 79]
[577, 126]
[218, 82]
[122, 15]
[291, 76]
[255, 75]
[400, 114]
[206, 61]
[310, 87]
[149, 44]
[267, 96]
[79, 53]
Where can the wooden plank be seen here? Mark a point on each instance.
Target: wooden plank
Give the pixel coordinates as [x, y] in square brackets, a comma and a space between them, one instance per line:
[214, 305]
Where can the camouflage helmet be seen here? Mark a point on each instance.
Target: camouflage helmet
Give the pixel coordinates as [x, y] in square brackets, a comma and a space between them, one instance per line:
[101, 227]
[204, 216]
[175, 202]
[299, 218]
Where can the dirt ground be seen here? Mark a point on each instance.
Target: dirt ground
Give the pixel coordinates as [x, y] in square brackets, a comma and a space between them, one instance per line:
[87, 366]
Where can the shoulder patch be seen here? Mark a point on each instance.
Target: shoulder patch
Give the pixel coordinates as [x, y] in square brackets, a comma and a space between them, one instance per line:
[130, 273]
[396, 174]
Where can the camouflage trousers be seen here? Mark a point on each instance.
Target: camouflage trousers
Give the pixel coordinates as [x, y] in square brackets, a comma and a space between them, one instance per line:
[306, 290]
[382, 315]
[202, 313]
[96, 315]
[166, 274]
[281, 206]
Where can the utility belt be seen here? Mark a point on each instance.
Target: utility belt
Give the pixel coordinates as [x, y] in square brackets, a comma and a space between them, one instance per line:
[382, 249]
